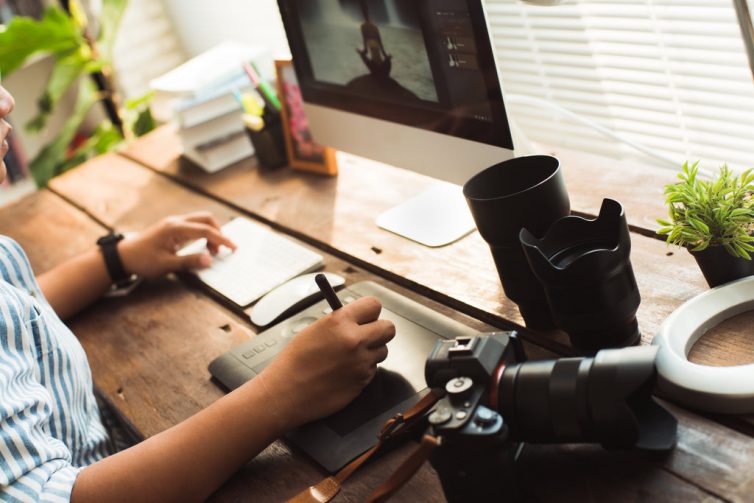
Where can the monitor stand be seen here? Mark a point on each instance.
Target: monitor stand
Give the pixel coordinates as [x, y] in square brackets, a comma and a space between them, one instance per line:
[437, 217]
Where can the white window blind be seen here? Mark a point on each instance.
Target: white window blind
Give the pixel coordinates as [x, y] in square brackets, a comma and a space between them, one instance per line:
[669, 74]
[146, 46]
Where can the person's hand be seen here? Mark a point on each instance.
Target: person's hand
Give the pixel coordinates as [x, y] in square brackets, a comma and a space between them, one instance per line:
[6, 107]
[153, 252]
[327, 365]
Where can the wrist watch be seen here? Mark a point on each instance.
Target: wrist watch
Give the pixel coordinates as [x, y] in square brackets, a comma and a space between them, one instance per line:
[108, 246]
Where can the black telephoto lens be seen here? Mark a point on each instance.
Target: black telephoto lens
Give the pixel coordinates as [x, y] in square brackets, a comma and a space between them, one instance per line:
[606, 399]
[525, 192]
[585, 269]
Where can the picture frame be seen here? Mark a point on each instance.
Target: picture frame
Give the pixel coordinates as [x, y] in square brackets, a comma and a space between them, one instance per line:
[303, 152]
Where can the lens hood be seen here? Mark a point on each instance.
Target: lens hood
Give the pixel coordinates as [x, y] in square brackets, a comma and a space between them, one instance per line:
[585, 269]
[606, 399]
[525, 192]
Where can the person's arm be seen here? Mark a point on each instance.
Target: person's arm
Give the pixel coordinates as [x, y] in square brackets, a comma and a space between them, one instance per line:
[76, 283]
[318, 373]
[382, 47]
[79, 282]
[363, 40]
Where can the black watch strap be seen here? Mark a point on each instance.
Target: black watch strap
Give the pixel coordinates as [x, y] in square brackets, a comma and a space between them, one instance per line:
[108, 245]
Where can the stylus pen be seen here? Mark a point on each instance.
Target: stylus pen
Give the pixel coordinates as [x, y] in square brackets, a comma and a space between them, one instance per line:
[328, 292]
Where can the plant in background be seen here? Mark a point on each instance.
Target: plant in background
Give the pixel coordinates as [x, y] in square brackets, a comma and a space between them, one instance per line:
[711, 213]
[80, 60]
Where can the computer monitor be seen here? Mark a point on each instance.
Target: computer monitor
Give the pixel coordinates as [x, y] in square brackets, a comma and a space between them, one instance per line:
[412, 83]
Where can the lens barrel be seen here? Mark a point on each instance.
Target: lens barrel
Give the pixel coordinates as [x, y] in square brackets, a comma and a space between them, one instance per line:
[606, 399]
[585, 269]
[525, 192]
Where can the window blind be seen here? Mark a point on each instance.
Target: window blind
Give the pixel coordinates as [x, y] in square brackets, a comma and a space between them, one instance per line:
[146, 46]
[671, 75]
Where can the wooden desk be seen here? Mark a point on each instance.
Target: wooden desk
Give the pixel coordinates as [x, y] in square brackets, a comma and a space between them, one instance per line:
[149, 352]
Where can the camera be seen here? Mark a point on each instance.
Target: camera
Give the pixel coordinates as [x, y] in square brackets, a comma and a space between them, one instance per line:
[494, 402]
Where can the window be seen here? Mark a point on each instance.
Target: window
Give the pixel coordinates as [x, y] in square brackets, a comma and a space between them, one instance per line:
[146, 47]
[670, 74]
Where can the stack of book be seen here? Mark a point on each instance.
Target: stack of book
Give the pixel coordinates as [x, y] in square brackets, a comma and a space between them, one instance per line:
[205, 107]
[211, 128]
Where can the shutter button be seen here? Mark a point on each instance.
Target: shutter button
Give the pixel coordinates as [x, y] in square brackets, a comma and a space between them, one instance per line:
[459, 388]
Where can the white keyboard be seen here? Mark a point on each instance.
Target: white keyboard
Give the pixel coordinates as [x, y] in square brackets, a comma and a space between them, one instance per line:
[264, 260]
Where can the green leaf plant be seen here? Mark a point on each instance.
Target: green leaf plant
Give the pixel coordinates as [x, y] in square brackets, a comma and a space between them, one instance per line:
[77, 56]
[707, 213]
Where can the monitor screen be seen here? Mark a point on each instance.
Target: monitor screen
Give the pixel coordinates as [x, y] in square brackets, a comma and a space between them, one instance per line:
[421, 63]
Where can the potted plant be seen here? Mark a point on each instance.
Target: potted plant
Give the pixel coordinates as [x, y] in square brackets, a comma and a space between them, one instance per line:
[714, 220]
[82, 60]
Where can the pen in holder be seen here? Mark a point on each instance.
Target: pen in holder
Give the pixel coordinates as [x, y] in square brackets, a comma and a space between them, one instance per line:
[267, 137]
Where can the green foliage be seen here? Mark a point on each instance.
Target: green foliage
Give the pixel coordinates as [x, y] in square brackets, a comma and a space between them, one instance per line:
[61, 36]
[24, 37]
[706, 213]
[104, 139]
[112, 15]
[138, 115]
[67, 70]
[52, 158]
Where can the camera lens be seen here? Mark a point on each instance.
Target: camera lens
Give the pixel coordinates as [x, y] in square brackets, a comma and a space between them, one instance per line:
[585, 269]
[606, 399]
[525, 192]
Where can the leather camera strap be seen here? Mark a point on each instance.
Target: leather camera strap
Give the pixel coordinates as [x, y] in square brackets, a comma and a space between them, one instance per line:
[407, 470]
[400, 423]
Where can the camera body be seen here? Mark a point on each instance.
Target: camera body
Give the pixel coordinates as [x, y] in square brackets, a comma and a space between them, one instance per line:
[494, 401]
[476, 457]
[465, 368]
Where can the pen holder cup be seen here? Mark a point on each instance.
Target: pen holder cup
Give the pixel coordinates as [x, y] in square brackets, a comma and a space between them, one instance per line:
[269, 145]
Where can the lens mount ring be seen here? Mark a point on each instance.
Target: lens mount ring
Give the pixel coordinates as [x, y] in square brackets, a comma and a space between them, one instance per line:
[727, 390]
[495, 384]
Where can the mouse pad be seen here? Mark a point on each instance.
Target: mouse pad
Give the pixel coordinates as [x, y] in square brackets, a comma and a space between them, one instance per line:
[399, 383]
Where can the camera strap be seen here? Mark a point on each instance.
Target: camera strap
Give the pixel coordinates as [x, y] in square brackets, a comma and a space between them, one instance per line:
[406, 471]
[328, 488]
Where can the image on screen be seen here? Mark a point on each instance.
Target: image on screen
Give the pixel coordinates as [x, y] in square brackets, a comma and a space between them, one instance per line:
[370, 47]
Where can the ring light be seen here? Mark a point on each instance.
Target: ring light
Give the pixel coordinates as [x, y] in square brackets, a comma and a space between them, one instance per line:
[727, 390]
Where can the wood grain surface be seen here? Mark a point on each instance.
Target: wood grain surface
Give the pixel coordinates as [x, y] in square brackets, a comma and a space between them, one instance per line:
[49, 229]
[149, 352]
[638, 187]
[338, 214]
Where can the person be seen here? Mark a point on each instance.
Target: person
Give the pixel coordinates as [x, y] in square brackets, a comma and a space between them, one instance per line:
[53, 445]
[373, 53]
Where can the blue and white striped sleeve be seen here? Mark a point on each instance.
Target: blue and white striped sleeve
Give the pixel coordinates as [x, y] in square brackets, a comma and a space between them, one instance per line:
[34, 465]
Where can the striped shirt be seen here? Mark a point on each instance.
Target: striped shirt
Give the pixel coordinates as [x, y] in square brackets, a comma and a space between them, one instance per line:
[50, 424]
